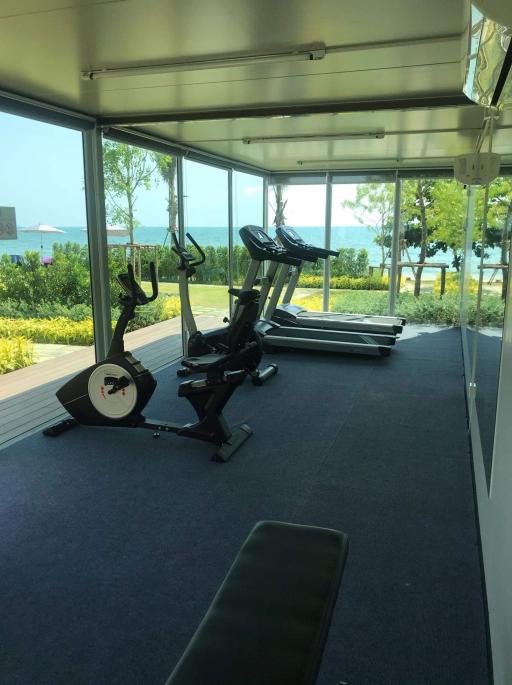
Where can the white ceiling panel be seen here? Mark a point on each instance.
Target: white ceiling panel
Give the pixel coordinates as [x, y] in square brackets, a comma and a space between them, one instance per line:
[395, 51]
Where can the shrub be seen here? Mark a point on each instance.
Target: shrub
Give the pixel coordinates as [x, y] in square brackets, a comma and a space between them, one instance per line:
[11, 309]
[172, 307]
[58, 330]
[344, 282]
[163, 308]
[66, 331]
[428, 308]
[15, 353]
[452, 284]
[350, 262]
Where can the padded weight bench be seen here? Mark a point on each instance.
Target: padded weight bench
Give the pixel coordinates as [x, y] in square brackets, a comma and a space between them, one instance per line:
[268, 623]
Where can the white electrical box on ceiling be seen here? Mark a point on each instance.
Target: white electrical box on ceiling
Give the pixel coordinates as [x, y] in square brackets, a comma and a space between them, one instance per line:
[477, 169]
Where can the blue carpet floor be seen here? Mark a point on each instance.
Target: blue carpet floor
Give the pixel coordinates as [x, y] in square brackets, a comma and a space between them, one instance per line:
[113, 544]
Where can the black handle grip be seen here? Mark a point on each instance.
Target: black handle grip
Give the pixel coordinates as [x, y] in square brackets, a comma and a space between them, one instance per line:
[135, 292]
[176, 242]
[154, 282]
[198, 248]
[133, 282]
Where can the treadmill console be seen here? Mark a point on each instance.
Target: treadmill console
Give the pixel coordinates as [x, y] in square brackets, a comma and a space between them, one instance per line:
[262, 247]
[290, 233]
[294, 244]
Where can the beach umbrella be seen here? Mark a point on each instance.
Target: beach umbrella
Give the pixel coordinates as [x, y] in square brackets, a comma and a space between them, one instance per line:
[117, 230]
[42, 229]
[114, 229]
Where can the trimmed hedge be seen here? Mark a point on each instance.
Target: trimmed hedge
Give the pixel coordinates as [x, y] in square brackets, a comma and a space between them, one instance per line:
[58, 330]
[15, 353]
[65, 331]
[344, 282]
[428, 308]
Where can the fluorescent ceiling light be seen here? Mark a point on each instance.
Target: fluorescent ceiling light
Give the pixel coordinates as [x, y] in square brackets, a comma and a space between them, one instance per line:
[316, 136]
[310, 54]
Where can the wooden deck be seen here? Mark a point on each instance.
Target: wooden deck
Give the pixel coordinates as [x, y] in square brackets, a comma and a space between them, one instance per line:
[27, 396]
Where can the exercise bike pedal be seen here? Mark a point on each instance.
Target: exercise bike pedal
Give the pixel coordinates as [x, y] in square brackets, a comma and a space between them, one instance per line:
[58, 428]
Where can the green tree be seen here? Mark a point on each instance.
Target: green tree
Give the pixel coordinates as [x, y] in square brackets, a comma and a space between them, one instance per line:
[447, 216]
[373, 207]
[499, 222]
[416, 204]
[166, 168]
[280, 204]
[127, 170]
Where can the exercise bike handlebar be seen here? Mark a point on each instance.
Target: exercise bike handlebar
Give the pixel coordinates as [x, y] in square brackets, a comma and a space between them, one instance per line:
[198, 248]
[187, 259]
[135, 291]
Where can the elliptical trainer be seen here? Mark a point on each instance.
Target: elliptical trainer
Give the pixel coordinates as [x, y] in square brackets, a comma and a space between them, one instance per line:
[228, 339]
[115, 391]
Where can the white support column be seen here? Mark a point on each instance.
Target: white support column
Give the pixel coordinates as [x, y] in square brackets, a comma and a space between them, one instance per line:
[395, 247]
[97, 240]
[327, 243]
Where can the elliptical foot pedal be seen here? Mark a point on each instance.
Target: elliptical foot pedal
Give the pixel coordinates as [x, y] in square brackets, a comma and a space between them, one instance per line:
[237, 439]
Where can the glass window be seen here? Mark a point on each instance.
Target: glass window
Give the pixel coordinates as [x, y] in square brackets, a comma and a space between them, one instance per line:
[45, 299]
[431, 242]
[362, 232]
[142, 211]
[206, 219]
[247, 210]
[492, 247]
[303, 208]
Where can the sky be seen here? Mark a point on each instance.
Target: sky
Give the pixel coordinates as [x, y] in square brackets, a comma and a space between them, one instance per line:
[41, 175]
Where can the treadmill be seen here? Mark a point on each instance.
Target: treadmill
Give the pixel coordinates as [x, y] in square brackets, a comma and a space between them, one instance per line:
[293, 315]
[261, 248]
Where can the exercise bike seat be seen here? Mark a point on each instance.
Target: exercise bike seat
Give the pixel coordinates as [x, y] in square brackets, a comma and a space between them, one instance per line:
[245, 296]
[203, 362]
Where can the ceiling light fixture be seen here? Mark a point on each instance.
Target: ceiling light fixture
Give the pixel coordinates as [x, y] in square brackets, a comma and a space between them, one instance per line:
[314, 52]
[377, 135]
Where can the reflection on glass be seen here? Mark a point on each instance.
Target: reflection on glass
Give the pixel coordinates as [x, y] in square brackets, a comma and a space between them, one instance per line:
[494, 250]
[489, 42]
[303, 208]
[206, 218]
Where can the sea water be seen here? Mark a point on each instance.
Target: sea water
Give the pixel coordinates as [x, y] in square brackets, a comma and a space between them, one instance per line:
[356, 237]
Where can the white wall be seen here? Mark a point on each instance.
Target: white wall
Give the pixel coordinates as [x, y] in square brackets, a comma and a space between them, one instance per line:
[495, 506]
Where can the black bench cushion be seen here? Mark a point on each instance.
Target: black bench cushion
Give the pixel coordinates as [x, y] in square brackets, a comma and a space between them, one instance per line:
[268, 623]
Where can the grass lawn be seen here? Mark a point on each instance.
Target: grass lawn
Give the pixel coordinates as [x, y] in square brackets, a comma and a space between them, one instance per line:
[428, 308]
[214, 296]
